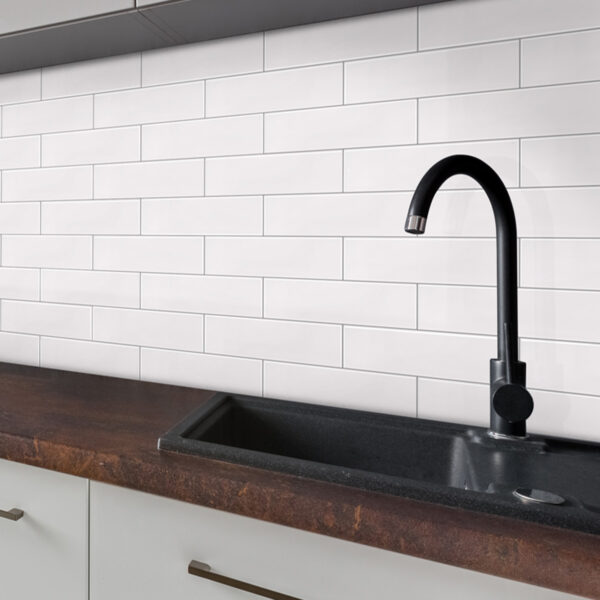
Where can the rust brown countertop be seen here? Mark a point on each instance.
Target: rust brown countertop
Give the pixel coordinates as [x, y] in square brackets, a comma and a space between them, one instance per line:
[106, 429]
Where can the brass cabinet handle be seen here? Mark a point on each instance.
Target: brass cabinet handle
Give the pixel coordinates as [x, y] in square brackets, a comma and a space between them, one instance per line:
[14, 514]
[202, 570]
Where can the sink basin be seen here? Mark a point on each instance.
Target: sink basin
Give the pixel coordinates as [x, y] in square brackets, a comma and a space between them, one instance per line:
[428, 460]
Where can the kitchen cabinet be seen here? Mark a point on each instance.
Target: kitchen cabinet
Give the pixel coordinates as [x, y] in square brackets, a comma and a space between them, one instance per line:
[43, 554]
[141, 545]
[27, 14]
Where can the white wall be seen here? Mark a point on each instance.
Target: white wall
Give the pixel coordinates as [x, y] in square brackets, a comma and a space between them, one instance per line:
[230, 214]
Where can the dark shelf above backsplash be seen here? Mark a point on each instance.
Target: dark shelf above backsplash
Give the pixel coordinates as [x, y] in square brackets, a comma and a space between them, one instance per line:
[158, 25]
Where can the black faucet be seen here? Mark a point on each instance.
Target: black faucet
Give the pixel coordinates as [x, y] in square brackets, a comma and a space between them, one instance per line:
[510, 402]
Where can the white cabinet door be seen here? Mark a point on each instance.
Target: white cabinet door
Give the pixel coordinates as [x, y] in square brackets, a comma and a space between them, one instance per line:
[16, 15]
[141, 545]
[43, 554]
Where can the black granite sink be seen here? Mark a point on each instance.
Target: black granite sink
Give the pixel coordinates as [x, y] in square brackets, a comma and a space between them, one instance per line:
[428, 460]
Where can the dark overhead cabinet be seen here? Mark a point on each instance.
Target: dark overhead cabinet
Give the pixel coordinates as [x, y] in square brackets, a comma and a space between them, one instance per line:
[38, 33]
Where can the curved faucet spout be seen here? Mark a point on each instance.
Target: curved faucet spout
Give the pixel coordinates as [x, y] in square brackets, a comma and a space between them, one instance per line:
[510, 406]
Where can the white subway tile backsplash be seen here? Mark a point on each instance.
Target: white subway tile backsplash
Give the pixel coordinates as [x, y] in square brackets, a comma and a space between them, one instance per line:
[90, 216]
[47, 319]
[22, 217]
[90, 357]
[148, 105]
[222, 373]
[379, 124]
[149, 253]
[385, 169]
[62, 183]
[149, 328]
[319, 258]
[464, 357]
[20, 349]
[288, 341]
[457, 261]
[16, 153]
[560, 161]
[277, 90]
[65, 114]
[50, 251]
[90, 287]
[215, 58]
[516, 113]
[223, 215]
[344, 39]
[89, 147]
[149, 179]
[381, 304]
[564, 58]
[204, 137]
[361, 390]
[275, 174]
[455, 23]
[93, 76]
[22, 86]
[19, 284]
[433, 73]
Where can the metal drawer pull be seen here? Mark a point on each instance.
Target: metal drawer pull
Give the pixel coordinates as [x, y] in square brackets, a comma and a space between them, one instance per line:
[202, 570]
[14, 514]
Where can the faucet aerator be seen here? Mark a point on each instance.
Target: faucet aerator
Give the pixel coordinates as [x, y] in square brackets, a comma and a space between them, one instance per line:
[415, 224]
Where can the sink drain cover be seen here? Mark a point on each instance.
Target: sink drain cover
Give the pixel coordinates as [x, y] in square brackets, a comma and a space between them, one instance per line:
[540, 496]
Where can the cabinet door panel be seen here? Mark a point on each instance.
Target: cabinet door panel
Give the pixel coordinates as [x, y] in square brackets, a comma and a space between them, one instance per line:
[43, 554]
[141, 545]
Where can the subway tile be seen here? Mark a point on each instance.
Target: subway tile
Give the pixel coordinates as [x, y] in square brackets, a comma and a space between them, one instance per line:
[215, 58]
[90, 216]
[20, 349]
[561, 58]
[233, 296]
[149, 328]
[234, 215]
[450, 24]
[66, 114]
[63, 183]
[149, 179]
[19, 284]
[560, 161]
[22, 217]
[360, 390]
[92, 76]
[223, 373]
[90, 287]
[562, 366]
[379, 124]
[515, 113]
[47, 319]
[148, 105]
[458, 309]
[275, 340]
[20, 152]
[380, 304]
[97, 146]
[425, 260]
[277, 90]
[442, 355]
[401, 168]
[275, 174]
[344, 39]
[571, 264]
[21, 86]
[319, 258]
[204, 137]
[90, 357]
[147, 253]
[50, 251]
[433, 73]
